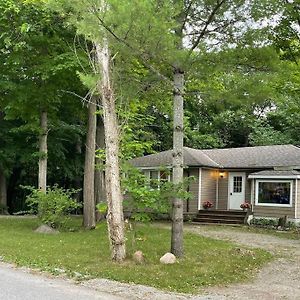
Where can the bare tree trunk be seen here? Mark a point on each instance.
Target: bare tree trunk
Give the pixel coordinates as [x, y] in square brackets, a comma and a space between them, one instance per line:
[78, 178]
[43, 149]
[3, 189]
[89, 221]
[99, 172]
[115, 218]
[177, 204]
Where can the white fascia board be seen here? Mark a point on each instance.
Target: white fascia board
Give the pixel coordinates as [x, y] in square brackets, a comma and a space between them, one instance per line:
[154, 168]
[274, 177]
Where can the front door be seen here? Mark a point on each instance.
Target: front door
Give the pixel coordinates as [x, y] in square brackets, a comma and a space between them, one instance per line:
[236, 189]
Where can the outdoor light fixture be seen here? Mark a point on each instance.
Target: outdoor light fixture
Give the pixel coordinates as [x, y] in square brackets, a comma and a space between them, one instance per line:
[221, 174]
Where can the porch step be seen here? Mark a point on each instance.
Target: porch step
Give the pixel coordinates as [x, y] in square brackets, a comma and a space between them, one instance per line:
[220, 217]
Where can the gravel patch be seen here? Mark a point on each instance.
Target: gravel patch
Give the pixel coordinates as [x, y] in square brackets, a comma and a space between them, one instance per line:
[279, 279]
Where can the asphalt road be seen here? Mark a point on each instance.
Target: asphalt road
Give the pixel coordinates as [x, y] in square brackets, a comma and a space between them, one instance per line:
[18, 284]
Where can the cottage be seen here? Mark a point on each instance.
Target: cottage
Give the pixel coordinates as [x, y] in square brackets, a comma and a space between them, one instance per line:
[268, 177]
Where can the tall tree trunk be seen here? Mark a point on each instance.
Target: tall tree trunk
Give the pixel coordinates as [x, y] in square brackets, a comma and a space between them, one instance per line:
[89, 169]
[178, 90]
[115, 217]
[78, 178]
[3, 189]
[177, 204]
[99, 172]
[43, 149]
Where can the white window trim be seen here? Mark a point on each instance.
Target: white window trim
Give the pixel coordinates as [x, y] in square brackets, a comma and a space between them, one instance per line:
[274, 204]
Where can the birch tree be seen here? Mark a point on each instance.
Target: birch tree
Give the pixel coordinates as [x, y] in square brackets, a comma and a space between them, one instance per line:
[114, 196]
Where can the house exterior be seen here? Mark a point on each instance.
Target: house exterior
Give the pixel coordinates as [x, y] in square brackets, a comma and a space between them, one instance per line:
[268, 177]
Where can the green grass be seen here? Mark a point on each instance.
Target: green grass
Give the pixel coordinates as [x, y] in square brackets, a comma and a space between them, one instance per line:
[207, 262]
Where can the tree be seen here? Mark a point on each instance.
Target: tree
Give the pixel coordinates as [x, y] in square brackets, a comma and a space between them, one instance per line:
[38, 63]
[114, 197]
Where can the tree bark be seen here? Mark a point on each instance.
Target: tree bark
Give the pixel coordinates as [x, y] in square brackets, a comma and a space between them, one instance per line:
[43, 151]
[115, 217]
[89, 221]
[3, 189]
[99, 172]
[177, 203]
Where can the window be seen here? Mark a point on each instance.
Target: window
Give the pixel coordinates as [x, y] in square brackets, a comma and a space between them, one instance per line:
[237, 184]
[274, 192]
[157, 176]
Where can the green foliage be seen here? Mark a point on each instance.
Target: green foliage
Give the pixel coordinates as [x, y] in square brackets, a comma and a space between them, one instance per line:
[53, 207]
[265, 222]
[148, 198]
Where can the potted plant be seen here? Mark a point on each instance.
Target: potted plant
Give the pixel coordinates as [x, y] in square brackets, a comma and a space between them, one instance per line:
[245, 206]
[207, 205]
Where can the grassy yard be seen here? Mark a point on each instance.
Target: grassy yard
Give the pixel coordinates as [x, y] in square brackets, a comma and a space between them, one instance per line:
[207, 261]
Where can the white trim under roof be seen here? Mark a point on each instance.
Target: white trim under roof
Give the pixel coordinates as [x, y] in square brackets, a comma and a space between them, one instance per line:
[253, 176]
[154, 168]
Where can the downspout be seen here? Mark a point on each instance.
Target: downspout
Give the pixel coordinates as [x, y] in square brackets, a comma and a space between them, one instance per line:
[217, 191]
[188, 190]
[296, 199]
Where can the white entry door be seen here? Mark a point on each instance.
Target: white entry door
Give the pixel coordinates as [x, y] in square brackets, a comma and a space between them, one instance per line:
[236, 189]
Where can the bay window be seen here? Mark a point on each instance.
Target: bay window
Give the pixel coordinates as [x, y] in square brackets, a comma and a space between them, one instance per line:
[274, 193]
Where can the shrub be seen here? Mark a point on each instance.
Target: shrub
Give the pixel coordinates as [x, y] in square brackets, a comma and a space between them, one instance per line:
[53, 207]
[264, 222]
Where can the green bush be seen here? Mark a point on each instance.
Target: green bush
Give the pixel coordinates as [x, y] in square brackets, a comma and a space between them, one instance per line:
[264, 222]
[53, 207]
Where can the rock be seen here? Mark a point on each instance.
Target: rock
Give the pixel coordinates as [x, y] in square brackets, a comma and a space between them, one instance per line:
[46, 229]
[168, 258]
[138, 257]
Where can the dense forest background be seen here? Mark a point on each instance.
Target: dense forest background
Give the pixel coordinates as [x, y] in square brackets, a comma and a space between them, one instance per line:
[243, 94]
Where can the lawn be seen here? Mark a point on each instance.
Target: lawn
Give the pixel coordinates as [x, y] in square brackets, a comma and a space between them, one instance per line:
[207, 262]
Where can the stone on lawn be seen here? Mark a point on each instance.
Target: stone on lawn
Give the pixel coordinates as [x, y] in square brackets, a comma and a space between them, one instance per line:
[46, 229]
[138, 257]
[168, 258]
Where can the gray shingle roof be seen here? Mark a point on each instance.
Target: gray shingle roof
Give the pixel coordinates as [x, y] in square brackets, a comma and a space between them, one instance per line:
[248, 157]
[276, 173]
[256, 157]
[191, 157]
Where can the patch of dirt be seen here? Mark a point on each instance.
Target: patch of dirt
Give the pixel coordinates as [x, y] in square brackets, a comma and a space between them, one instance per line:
[279, 279]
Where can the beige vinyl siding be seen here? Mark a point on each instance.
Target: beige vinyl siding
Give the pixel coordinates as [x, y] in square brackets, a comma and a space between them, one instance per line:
[209, 185]
[276, 211]
[248, 188]
[223, 192]
[191, 206]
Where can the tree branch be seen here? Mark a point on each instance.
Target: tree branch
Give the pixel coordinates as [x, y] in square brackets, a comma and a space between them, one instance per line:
[208, 21]
[140, 56]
